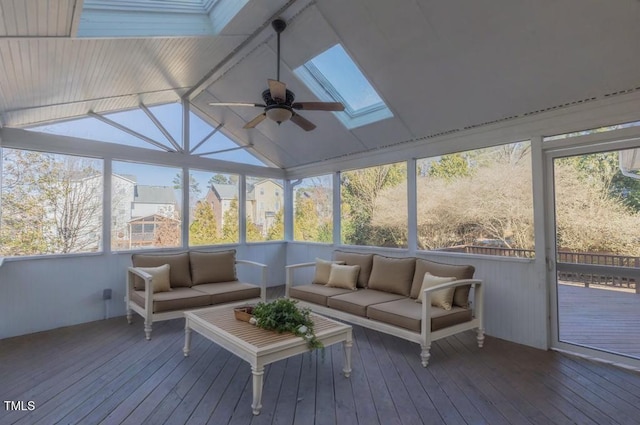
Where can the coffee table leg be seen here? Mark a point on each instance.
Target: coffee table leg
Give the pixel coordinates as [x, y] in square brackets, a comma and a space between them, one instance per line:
[187, 339]
[258, 375]
[347, 355]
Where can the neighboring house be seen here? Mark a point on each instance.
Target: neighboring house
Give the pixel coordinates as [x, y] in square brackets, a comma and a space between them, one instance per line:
[122, 189]
[149, 200]
[220, 197]
[154, 230]
[264, 200]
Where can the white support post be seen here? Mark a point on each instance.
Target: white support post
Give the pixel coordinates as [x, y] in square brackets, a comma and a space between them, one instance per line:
[242, 210]
[543, 252]
[288, 208]
[337, 220]
[186, 178]
[106, 204]
[412, 204]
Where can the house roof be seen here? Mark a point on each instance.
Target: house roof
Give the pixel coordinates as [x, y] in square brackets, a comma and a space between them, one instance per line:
[154, 195]
[225, 191]
[441, 67]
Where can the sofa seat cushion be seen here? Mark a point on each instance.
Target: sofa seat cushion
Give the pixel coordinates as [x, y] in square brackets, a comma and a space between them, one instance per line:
[461, 294]
[406, 313]
[316, 293]
[179, 273]
[358, 301]
[177, 299]
[225, 292]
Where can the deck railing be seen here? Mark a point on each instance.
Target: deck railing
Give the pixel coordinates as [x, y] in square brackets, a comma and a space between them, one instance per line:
[587, 279]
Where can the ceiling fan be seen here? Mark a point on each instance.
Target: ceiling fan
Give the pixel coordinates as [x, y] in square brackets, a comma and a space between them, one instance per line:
[279, 103]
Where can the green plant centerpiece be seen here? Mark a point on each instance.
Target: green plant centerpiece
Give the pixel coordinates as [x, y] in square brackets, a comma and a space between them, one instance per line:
[282, 315]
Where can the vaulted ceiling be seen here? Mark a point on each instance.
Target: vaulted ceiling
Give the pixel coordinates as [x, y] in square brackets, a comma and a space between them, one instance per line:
[439, 66]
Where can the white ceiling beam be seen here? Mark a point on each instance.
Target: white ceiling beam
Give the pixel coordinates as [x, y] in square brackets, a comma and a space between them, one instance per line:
[129, 131]
[224, 150]
[207, 137]
[161, 128]
[75, 18]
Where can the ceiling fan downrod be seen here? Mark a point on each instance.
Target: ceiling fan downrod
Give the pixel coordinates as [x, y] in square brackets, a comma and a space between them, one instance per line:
[278, 25]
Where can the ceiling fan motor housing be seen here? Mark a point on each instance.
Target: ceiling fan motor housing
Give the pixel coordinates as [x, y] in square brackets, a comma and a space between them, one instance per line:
[278, 111]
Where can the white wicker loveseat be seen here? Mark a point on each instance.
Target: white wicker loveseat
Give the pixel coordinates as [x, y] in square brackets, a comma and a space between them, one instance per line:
[385, 292]
[164, 286]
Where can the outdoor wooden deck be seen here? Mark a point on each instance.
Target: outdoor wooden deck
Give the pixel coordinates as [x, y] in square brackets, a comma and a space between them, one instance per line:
[106, 372]
[600, 318]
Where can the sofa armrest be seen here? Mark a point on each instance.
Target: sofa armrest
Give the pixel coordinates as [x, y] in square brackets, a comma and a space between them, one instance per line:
[263, 276]
[426, 303]
[132, 272]
[289, 278]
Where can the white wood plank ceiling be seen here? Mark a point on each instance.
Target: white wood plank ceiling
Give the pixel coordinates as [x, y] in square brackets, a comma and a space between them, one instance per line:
[439, 66]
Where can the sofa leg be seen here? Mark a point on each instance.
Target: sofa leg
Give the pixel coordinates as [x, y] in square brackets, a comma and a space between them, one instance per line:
[425, 355]
[480, 337]
[129, 315]
[147, 330]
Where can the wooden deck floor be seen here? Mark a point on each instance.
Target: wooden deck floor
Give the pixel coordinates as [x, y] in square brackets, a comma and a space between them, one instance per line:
[105, 372]
[598, 318]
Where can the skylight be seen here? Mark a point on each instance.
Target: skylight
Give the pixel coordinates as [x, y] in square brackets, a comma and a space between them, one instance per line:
[147, 18]
[334, 77]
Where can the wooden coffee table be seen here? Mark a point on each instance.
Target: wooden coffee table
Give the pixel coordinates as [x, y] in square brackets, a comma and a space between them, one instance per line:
[261, 347]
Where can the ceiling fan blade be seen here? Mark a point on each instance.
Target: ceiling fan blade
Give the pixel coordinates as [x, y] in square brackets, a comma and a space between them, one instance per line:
[278, 90]
[260, 105]
[303, 123]
[319, 106]
[257, 120]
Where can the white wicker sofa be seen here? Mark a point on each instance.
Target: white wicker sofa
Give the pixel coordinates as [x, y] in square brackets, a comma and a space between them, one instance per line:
[385, 297]
[164, 286]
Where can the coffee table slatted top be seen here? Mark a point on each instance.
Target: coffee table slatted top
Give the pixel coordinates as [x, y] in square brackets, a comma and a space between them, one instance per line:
[259, 338]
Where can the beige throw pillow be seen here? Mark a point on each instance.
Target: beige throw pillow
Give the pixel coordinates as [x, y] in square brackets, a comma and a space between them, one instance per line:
[323, 269]
[442, 298]
[160, 277]
[342, 276]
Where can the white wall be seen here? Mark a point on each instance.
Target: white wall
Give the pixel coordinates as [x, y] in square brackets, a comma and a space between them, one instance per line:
[515, 298]
[49, 292]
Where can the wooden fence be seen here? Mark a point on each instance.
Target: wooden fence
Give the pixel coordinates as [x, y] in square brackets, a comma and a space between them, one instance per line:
[587, 279]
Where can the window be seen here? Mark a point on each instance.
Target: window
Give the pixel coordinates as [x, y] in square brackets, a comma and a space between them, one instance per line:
[93, 129]
[374, 206]
[208, 143]
[313, 209]
[334, 77]
[148, 195]
[477, 201]
[265, 218]
[148, 18]
[592, 131]
[51, 203]
[213, 206]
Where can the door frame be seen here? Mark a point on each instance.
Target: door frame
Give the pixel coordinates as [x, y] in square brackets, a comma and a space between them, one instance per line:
[580, 145]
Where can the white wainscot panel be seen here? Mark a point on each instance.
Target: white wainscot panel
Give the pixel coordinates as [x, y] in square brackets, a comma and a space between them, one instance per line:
[47, 293]
[270, 253]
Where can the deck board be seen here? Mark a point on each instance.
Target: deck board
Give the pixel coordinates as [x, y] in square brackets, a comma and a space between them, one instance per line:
[603, 319]
[109, 373]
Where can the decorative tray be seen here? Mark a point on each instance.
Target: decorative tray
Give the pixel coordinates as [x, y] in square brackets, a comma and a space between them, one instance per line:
[244, 313]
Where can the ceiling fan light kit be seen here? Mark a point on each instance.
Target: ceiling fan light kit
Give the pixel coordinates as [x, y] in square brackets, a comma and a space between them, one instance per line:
[279, 102]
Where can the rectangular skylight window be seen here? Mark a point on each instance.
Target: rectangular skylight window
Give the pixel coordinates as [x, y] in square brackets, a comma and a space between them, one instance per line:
[334, 77]
[149, 18]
